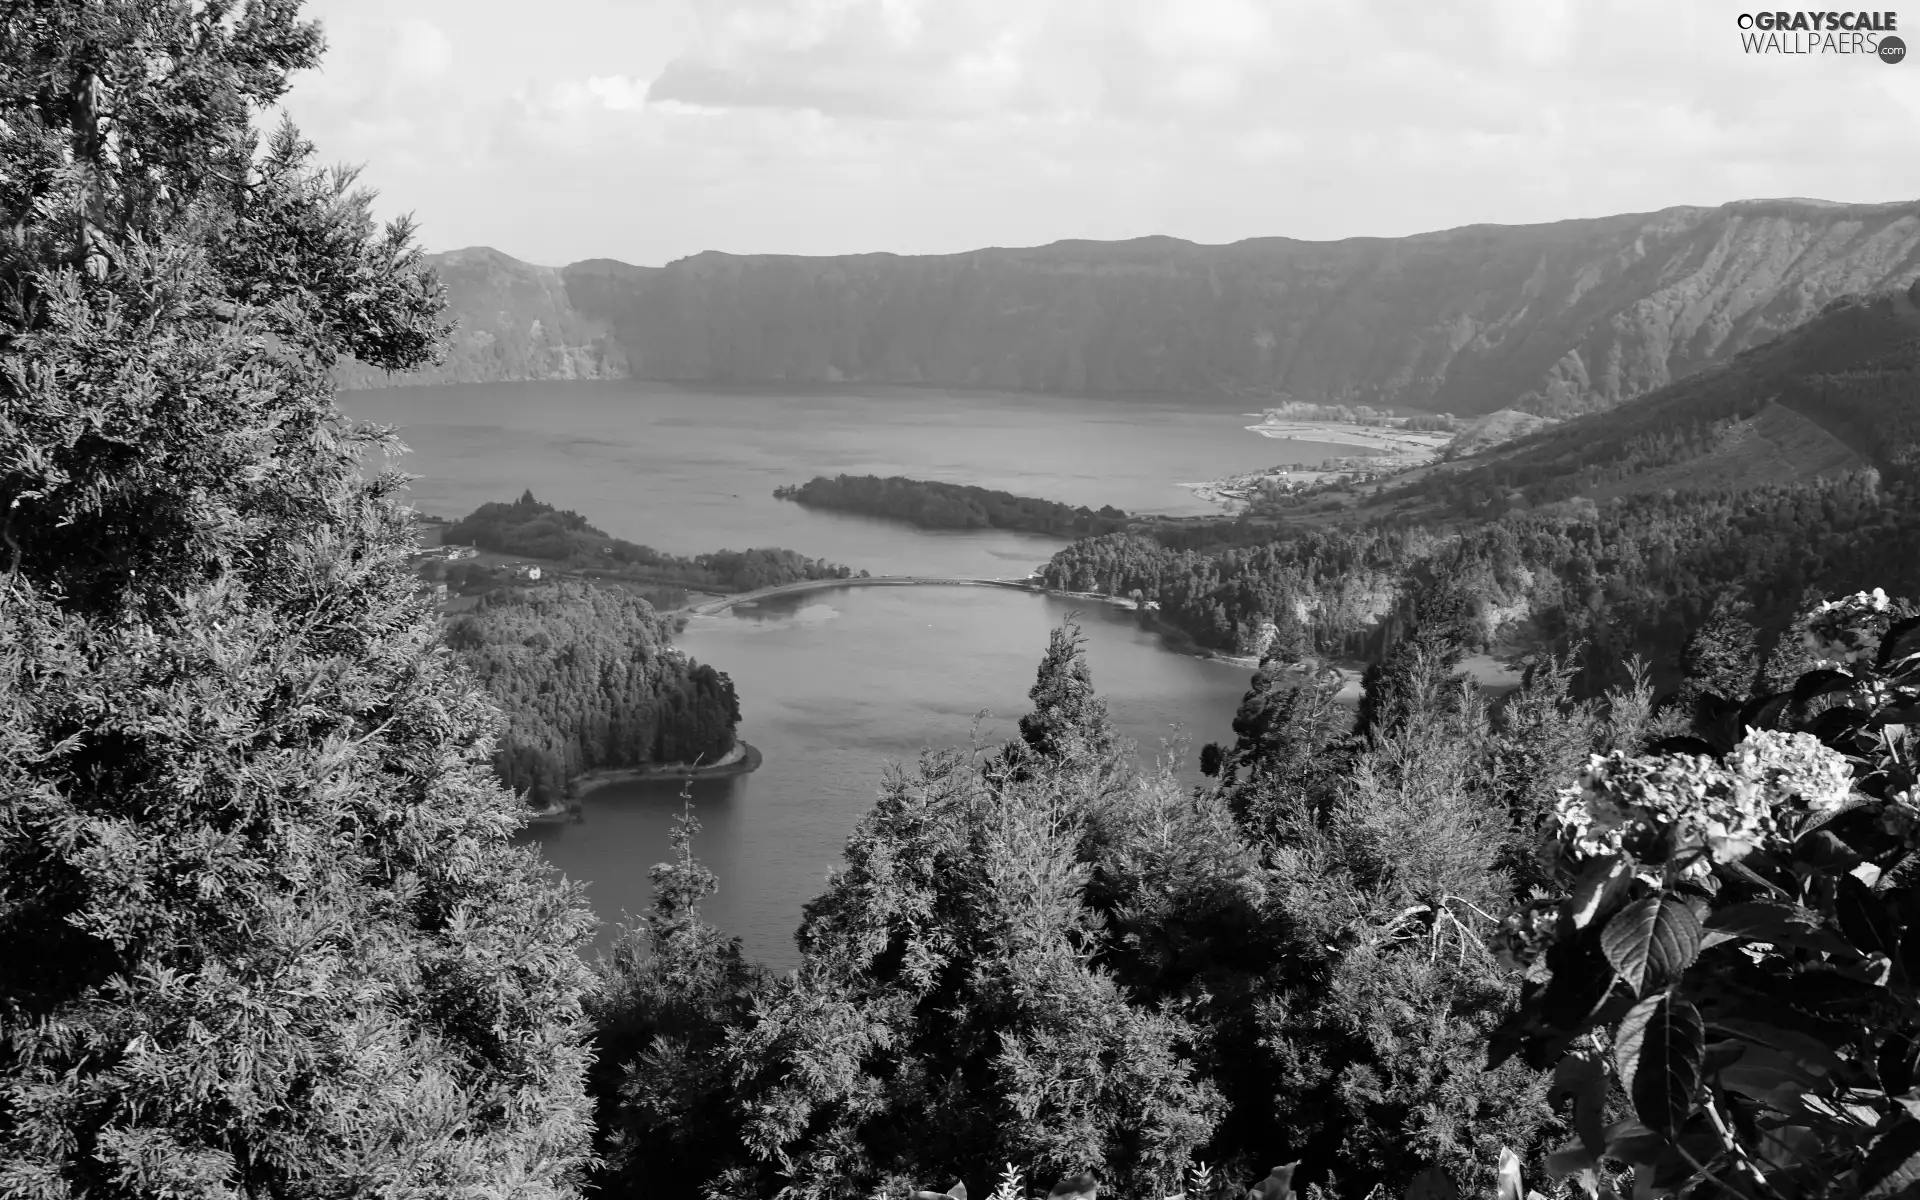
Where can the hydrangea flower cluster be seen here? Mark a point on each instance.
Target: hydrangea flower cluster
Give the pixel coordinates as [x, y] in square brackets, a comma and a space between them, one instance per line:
[1795, 768]
[1848, 630]
[1693, 811]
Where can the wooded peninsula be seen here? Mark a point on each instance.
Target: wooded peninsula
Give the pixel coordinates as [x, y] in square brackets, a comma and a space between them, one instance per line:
[932, 505]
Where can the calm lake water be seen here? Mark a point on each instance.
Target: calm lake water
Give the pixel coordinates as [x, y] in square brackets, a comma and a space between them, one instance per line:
[834, 685]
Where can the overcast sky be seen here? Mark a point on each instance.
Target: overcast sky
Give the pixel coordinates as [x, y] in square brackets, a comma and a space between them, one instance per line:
[646, 130]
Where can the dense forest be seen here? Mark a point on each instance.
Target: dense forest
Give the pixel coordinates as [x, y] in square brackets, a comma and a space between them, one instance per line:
[1342, 954]
[1854, 371]
[1683, 518]
[264, 929]
[587, 680]
[528, 527]
[1633, 575]
[933, 505]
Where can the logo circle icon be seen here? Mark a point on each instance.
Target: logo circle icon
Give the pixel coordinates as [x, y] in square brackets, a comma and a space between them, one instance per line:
[1892, 50]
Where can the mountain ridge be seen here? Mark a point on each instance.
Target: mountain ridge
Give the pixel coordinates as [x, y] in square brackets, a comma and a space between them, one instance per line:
[1837, 394]
[1554, 319]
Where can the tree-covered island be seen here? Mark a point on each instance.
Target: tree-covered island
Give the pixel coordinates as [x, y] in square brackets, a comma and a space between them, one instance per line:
[932, 505]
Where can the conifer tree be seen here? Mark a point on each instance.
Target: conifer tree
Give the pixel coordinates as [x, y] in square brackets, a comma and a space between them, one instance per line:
[262, 931]
[1441, 624]
[1385, 893]
[952, 1010]
[1722, 655]
[1067, 717]
[1544, 739]
[667, 998]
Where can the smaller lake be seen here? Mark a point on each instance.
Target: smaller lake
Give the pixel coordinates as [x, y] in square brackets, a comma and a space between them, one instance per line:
[832, 686]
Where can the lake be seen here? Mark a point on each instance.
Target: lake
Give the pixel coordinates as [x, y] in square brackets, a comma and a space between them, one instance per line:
[834, 685]
[690, 471]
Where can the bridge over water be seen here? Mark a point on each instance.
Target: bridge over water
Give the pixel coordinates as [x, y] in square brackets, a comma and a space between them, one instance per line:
[707, 608]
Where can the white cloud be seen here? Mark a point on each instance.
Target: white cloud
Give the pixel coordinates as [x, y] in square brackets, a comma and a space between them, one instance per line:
[820, 126]
[419, 50]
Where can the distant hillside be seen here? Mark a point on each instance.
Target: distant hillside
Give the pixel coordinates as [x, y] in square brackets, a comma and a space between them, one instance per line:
[1495, 428]
[515, 321]
[1839, 393]
[1551, 319]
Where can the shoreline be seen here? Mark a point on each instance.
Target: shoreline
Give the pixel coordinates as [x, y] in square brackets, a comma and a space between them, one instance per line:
[713, 608]
[1177, 639]
[741, 760]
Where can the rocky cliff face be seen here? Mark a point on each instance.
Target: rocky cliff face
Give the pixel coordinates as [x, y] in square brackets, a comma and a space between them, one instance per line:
[514, 321]
[1550, 319]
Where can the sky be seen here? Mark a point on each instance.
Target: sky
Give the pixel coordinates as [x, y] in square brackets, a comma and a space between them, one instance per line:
[648, 130]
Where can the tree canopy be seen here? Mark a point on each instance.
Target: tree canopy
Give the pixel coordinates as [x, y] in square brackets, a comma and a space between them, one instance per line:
[261, 927]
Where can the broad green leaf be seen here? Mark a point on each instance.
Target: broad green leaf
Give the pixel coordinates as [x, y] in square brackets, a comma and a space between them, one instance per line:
[1762, 1072]
[1581, 983]
[1893, 1163]
[1786, 1146]
[1776, 924]
[1895, 1062]
[1821, 683]
[1651, 942]
[1627, 1040]
[1278, 1185]
[1508, 1186]
[1864, 918]
[1901, 641]
[1569, 1159]
[1598, 887]
[1658, 1053]
[1633, 1143]
[1581, 1077]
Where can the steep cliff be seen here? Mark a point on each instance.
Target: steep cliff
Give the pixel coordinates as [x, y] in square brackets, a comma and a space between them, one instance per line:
[1550, 319]
[514, 321]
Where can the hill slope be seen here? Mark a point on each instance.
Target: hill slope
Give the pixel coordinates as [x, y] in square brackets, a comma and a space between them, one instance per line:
[1552, 319]
[1838, 393]
[515, 321]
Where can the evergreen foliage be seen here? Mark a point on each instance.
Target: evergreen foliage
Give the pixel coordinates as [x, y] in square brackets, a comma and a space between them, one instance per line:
[1291, 963]
[933, 505]
[668, 995]
[261, 928]
[536, 530]
[588, 681]
[263, 931]
[1635, 576]
[948, 1013]
[1414, 666]
[1722, 655]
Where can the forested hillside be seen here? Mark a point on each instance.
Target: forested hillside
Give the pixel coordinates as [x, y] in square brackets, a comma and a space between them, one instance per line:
[1366, 950]
[1634, 575]
[536, 530]
[587, 679]
[1553, 319]
[1850, 378]
[933, 505]
[1615, 530]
